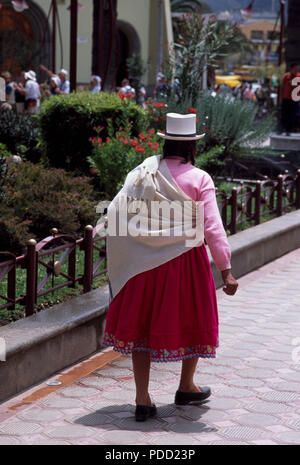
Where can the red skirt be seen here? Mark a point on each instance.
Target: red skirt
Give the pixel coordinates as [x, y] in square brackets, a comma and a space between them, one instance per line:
[170, 311]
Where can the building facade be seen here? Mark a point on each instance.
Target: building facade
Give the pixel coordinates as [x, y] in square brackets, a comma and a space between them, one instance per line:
[138, 26]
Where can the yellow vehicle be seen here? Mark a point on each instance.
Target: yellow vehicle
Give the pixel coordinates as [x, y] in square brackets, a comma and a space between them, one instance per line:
[231, 80]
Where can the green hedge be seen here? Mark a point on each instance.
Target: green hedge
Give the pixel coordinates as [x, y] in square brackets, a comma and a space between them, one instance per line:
[37, 199]
[67, 123]
[20, 134]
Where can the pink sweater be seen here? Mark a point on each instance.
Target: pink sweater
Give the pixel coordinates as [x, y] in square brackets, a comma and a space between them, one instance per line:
[198, 185]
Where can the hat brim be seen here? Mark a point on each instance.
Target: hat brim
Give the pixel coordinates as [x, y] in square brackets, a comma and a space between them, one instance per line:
[164, 136]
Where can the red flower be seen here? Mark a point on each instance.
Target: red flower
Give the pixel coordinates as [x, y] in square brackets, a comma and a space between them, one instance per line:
[159, 105]
[140, 149]
[192, 110]
[205, 128]
[156, 119]
[107, 139]
[151, 131]
[133, 143]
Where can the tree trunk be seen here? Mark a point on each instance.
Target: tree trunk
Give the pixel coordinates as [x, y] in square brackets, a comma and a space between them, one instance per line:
[293, 32]
[105, 42]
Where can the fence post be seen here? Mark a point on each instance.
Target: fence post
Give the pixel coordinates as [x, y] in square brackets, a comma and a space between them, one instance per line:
[279, 195]
[31, 265]
[298, 189]
[257, 201]
[88, 259]
[233, 210]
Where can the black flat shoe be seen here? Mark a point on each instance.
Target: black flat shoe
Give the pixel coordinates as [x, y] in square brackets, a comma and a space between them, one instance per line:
[142, 412]
[184, 398]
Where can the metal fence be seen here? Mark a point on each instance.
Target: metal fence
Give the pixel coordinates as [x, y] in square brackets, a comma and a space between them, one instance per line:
[245, 204]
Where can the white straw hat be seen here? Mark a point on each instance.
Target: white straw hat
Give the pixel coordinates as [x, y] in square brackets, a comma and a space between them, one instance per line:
[64, 71]
[181, 127]
[30, 75]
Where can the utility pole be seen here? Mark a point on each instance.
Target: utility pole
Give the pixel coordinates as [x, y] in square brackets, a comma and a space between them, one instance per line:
[73, 44]
[160, 36]
[54, 15]
[282, 25]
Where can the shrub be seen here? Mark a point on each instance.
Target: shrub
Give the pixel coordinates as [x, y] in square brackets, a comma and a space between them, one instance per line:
[67, 124]
[230, 127]
[20, 134]
[231, 122]
[37, 199]
[114, 158]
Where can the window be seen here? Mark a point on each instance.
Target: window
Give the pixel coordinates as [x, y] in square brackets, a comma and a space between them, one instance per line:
[257, 35]
[273, 35]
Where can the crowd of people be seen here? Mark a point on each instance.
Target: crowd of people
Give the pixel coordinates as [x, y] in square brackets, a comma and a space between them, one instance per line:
[25, 92]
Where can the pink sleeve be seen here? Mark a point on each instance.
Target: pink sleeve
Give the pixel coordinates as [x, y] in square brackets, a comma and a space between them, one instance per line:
[214, 231]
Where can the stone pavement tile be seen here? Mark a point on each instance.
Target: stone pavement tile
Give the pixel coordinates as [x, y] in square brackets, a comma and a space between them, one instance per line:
[69, 431]
[257, 419]
[115, 372]
[226, 442]
[19, 428]
[246, 382]
[287, 437]
[118, 437]
[79, 391]
[294, 424]
[8, 441]
[57, 402]
[47, 442]
[280, 396]
[264, 442]
[246, 433]
[91, 419]
[40, 415]
[98, 381]
[182, 425]
[167, 439]
[269, 407]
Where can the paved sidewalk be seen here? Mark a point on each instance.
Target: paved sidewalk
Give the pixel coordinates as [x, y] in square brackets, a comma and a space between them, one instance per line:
[254, 379]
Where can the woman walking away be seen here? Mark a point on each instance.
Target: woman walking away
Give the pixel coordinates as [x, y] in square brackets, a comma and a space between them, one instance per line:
[163, 299]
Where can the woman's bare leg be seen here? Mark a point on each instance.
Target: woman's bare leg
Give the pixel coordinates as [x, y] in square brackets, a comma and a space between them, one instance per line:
[187, 375]
[141, 368]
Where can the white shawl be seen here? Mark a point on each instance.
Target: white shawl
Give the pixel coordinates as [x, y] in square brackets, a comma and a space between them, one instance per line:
[161, 236]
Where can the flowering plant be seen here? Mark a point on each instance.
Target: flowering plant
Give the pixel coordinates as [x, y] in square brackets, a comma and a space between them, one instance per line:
[114, 156]
[157, 113]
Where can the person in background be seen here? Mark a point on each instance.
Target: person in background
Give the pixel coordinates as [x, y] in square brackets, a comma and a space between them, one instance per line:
[95, 84]
[126, 88]
[289, 107]
[161, 88]
[55, 82]
[249, 94]
[142, 96]
[64, 87]
[9, 87]
[31, 91]
[20, 98]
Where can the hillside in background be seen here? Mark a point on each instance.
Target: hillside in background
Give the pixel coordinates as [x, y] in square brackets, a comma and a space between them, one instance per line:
[259, 5]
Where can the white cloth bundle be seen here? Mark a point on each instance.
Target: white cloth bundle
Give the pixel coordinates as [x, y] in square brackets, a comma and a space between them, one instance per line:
[150, 221]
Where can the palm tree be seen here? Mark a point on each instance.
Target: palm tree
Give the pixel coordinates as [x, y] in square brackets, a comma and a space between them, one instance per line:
[293, 36]
[188, 6]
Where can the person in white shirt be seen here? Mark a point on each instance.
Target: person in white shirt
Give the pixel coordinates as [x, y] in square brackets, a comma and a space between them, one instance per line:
[95, 84]
[126, 88]
[31, 91]
[64, 87]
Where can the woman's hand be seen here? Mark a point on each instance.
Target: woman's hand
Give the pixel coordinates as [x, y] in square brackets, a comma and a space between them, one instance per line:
[230, 282]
